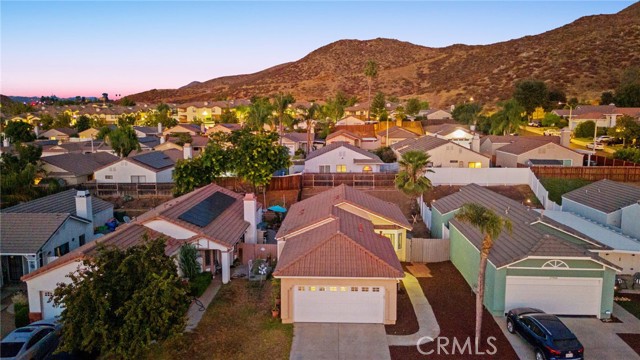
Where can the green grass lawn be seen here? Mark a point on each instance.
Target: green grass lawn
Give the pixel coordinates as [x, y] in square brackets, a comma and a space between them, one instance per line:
[632, 306]
[237, 325]
[558, 187]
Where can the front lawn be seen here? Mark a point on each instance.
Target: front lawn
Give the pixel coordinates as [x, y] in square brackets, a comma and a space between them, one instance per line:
[237, 325]
[558, 187]
[632, 306]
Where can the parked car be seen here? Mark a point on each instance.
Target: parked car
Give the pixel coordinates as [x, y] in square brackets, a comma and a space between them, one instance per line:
[551, 132]
[596, 146]
[535, 123]
[604, 139]
[550, 338]
[33, 342]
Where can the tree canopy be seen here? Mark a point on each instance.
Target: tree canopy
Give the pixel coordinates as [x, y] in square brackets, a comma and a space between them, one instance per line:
[378, 108]
[19, 131]
[467, 113]
[123, 140]
[508, 119]
[411, 178]
[83, 123]
[122, 301]
[531, 94]
[627, 129]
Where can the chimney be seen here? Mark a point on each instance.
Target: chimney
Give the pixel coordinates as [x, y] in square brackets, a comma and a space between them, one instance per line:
[565, 137]
[475, 143]
[203, 129]
[84, 209]
[162, 139]
[250, 216]
[160, 128]
[6, 142]
[187, 151]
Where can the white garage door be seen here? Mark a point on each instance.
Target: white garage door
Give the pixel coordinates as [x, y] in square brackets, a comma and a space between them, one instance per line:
[562, 296]
[344, 304]
[48, 309]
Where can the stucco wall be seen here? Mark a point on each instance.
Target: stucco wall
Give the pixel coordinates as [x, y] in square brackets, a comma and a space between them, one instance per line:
[629, 221]
[47, 282]
[443, 155]
[342, 138]
[552, 151]
[333, 158]
[504, 159]
[585, 211]
[122, 171]
[437, 220]
[390, 296]
[70, 232]
[629, 263]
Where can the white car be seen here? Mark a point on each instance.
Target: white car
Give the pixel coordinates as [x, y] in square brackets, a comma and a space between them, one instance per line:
[551, 132]
[597, 146]
[604, 139]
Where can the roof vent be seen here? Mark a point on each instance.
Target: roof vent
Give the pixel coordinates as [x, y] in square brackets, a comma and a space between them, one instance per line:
[506, 211]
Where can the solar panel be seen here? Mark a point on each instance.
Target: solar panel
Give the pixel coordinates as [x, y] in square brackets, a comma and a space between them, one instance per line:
[203, 213]
[156, 159]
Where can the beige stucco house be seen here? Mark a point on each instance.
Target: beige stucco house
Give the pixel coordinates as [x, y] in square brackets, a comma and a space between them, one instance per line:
[532, 152]
[442, 152]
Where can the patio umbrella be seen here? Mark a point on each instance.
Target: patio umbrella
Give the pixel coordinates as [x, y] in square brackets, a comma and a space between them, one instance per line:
[278, 209]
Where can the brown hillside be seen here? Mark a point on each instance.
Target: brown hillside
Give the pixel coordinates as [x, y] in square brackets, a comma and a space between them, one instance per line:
[583, 58]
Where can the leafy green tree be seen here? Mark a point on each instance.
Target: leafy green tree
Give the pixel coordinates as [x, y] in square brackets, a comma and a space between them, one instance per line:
[551, 119]
[46, 121]
[162, 115]
[386, 154]
[228, 116]
[627, 129]
[256, 157]
[281, 116]
[259, 113]
[531, 94]
[411, 179]
[83, 123]
[126, 101]
[490, 225]
[413, 106]
[628, 96]
[122, 301]
[334, 108]
[126, 120]
[377, 107]
[467, 113]
[585, 129]
[19, 172]
[607, 98]
[628, 154]
[204, 169]
[103, 133]
[19, 131]
[557, 96]
[508, 119]
[371, 72]
[123, 140]
[63, 120]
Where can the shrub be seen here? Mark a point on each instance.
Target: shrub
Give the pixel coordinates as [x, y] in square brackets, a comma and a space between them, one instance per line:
[19, 299]
[628, 154]
[199, 284]
[22, 315]
[188, 261]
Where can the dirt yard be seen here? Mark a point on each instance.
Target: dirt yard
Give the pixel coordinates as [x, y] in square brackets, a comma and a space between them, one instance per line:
[519, 193]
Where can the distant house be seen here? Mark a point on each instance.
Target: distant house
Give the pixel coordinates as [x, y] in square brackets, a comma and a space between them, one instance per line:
[358, 111]
[191, 129]
[442, 153]
[90, 133]
[344, 136]
[459, 134]
[349, 120]
[295, 141]
[602, 115]
[77, 147]
[148, 142]
[36, 232]
[338, 258]
[396, 134]
[60, 134]
[146, 167]
[75, 168]
[435, 114]
[146, 131]
[341, 157]
[198, 144]
[529, 152]
[225, 128]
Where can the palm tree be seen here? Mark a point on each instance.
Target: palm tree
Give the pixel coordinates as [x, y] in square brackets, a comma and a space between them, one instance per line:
[259, 113]
[281, 104]
[371, 72]
[309, 117]
[508, 119]
[411, 178]
[490, 225]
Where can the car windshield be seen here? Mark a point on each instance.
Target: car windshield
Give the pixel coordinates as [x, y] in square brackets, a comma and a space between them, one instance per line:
[567, 344]
[10, 349]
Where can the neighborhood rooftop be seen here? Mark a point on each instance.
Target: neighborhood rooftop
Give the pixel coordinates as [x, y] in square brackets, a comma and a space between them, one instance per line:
[80, 164]
[26, 233]
[338, 144]
[62, 202]
[605, 195]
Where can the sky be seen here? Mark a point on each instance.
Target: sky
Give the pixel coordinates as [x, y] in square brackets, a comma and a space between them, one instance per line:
[86, 48]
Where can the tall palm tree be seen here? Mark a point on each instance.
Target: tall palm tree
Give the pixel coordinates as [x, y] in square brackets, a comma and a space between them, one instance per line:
[371, 72]
[490, 225]
[281, 104]
[411, 178]
[259, 113]
[508, 119]
[309, 118]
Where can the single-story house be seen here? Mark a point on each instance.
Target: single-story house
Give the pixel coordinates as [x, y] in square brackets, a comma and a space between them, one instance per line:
[90, 133]
[77, 147]
[349, 120]
[530, 152]
[540, 263]
[212, 218]
[459, 134]
[146, 131]
[191, 129]
[198, 143]
[338, 258]
[341, 157]
[76, 168]
[435, 114]
[395, 134]
[148, 142]
[442, 153]
[225, 128]
[295, 141]
[61, 134]
[145, 167]
[344, 136]
[34, 233]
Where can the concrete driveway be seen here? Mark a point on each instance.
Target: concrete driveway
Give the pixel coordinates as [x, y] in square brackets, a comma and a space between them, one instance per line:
[315, 341]
[599, 339]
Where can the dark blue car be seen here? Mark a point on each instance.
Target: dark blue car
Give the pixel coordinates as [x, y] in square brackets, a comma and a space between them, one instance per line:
[551, 339]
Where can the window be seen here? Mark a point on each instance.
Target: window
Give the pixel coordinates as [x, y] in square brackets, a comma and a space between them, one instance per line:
[341, 168]
[354, 288]
[460, 163]
[82, 239]
[395, 241]
[108, 177]
[375, 289]
[453, 161]
[300, 288]
[312, 288]
[365, 289]
[325, 168]
[37, 337]
[367, 169]
[138, 178]
[399, 242]
[343, 288]
[61, 250]
[475, 165]
[321, 288]
[333, 288]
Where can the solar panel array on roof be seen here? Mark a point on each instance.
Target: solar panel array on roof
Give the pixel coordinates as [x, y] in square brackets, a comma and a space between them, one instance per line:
[203, 213]
[156, 159]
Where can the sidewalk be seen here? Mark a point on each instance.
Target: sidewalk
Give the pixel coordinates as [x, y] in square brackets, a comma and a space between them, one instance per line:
[426, 318]
[195, 312]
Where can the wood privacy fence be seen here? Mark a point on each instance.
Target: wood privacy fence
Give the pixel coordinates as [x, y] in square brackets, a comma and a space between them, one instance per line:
[278, 183]
[131, 189]
[428, 250]
[248, 252]
[605, 161]
[592, 173]
[357, 180]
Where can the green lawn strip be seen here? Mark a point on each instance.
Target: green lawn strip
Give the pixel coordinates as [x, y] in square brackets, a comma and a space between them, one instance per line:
[631, 306]
[557, 187]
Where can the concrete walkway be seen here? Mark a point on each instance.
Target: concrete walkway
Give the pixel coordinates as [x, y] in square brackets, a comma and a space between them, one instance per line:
[317, 341]
[426, 318]
[195, 312]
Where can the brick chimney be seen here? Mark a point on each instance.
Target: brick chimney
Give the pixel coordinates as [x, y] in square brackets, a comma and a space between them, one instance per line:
[84, 208]
[250, 216]
[187, 151]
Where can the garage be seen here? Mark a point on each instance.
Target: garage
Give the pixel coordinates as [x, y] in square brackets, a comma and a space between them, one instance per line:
[49, 310]
[345, 304]
[555, 295]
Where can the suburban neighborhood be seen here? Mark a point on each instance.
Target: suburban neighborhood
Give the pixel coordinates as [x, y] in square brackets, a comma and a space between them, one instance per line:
[347, 205]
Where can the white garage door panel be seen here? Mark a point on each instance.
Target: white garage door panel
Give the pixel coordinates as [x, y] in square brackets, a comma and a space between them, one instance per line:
[48, 309]
[338, 306]
[563, 296]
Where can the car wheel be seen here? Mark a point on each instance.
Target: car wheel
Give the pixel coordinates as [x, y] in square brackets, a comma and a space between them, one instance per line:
[510, 328]
[540, 355]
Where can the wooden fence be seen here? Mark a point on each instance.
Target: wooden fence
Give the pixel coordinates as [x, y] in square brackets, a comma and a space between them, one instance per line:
[248, 252]
[606, 161]
[428, 250]
[131, 189]
[278, 183]
[592, 173]
[357, 180]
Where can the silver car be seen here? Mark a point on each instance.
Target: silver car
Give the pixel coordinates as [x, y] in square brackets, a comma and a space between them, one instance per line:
[35, 341]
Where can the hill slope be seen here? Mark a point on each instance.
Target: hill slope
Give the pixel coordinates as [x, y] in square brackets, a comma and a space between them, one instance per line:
[583, 58]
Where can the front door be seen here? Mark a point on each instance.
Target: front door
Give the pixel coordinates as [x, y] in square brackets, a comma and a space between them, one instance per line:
[15, 268]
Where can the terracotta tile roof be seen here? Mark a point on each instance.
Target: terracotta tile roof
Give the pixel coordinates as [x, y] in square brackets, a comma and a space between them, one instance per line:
[605, 195]
[446, 129]
[80, 164]
[338, 144]
[507, 139]
[522, 146]
[425, 144]
[226, 229]
[529, 229]
[398, 132]
[345, 247]
[21, 235]
[125, 236]
[62, 202]
[343, 133]
[320, 207]
[297, 137]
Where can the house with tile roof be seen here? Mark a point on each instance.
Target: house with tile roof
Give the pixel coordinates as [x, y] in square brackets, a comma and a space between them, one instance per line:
[393, 135]
[531, 151]
[442, 152]
[191, 129]
[341, 157]
[76, 168]
[60, 134]
[344, 136]
[459, 134]
[36, 232]
[338, 258]
[435, 114]
[349, 120]
[225, 128]
[540, 263]
[212, 218]
[144, 167]
[602, 115]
